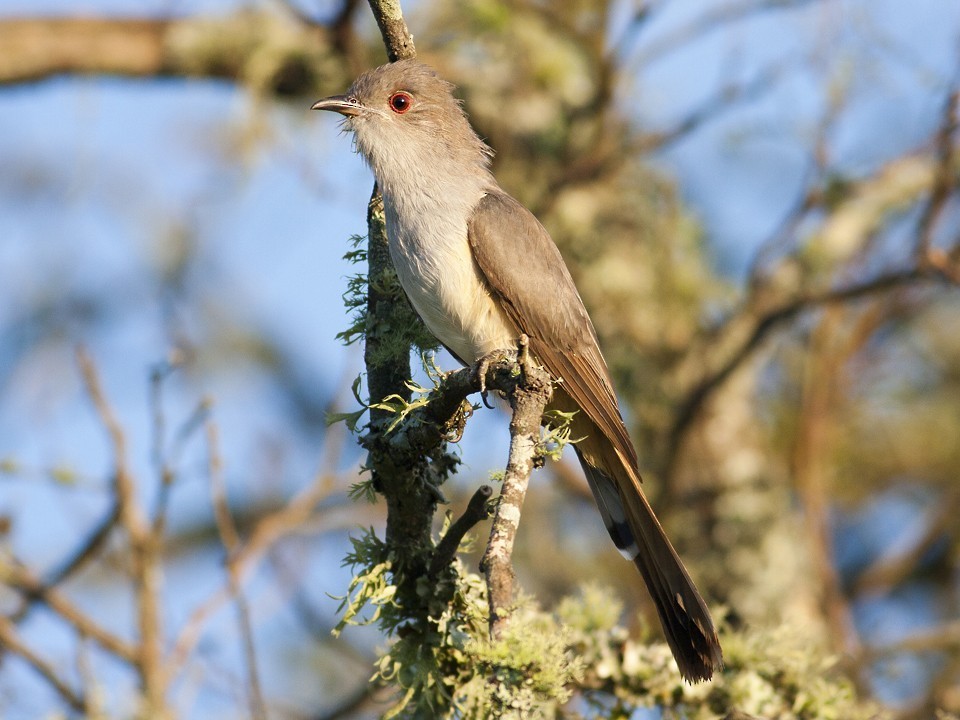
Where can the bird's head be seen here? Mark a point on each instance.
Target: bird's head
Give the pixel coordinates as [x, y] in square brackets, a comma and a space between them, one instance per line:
[404, 116]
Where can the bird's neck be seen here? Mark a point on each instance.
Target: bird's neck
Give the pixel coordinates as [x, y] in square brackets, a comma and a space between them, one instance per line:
[427, 173]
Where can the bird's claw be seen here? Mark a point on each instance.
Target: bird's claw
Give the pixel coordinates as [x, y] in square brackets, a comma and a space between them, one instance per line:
[484, 363]
[481, 374]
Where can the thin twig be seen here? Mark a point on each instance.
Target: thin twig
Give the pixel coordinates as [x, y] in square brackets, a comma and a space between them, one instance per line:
[763, 324]
[267, 532]
[231, 542]
[20, 578]
[87, 551]
[944, 179]
[709, 21]
[157, 441]
[144, 551]
[723, 100]
[11, 642]
[166, 461]
[889, 571]
[946, 637]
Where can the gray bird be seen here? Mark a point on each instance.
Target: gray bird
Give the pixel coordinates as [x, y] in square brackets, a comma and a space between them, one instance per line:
[481, 270]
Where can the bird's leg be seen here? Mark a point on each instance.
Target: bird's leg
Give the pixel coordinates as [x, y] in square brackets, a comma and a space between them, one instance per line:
[523, 354]
[480, 373]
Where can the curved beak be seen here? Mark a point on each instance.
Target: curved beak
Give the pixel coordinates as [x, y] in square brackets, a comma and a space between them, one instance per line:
[344, 104]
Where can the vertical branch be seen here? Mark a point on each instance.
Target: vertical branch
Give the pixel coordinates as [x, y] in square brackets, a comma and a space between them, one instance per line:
[527, 401]
[231, 542]
[396, 36]
[944, 180]
[386, 371]
[409, 479]
[810, 460]
[144, 552]
[822, 391]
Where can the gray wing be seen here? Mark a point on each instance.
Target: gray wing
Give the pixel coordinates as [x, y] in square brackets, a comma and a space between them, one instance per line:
[524, 269]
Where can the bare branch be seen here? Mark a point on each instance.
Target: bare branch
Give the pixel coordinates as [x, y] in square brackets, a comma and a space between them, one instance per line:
[944, 181]
[145, 548]
[19, 577]
[476, 512]
[165, 462]
[266, 533]
[87, 550]
[36, 48]
[528, 401]
[889, 571]
[224, 47]
[11, 642]
[943, 638]
[759, 326]
[724, 99]
[397, 38]
[231, 541]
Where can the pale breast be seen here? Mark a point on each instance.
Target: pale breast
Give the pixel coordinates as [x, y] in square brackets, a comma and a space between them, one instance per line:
[436, 269]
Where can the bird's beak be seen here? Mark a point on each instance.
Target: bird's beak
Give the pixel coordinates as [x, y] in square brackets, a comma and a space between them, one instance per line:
[344, 104]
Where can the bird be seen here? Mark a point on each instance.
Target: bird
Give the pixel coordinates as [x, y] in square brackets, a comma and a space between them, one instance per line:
[481, 271]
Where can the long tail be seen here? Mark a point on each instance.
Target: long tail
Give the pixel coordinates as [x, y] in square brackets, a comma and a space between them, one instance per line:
[639, 537]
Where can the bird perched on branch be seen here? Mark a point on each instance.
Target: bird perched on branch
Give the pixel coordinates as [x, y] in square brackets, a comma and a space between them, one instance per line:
[480, 270]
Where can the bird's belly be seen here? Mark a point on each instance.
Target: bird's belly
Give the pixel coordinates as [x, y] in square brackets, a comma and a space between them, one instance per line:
[447, 291]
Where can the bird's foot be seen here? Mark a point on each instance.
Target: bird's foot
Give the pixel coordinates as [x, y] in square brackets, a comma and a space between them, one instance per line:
[480, 373]
[482, 366]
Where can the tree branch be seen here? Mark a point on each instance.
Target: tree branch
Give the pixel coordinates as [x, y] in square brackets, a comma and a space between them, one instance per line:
[11, 642]
[20, 578]
[290, 59]
[397, 38]
[476, 512]
[758, 326]
[145, 547]
[230, 539]
[945, 178]
[528, 400]
[88, 549]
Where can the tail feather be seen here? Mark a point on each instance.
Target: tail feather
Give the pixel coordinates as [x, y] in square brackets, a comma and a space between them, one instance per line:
[639, 536]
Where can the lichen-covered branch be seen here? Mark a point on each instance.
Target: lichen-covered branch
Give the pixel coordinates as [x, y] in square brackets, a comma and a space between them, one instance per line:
[528, 400]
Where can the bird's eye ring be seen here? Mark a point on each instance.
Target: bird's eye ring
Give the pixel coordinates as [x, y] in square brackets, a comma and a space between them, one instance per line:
[400, 102]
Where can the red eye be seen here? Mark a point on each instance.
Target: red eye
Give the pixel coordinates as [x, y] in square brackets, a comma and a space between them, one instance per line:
[400, 102]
